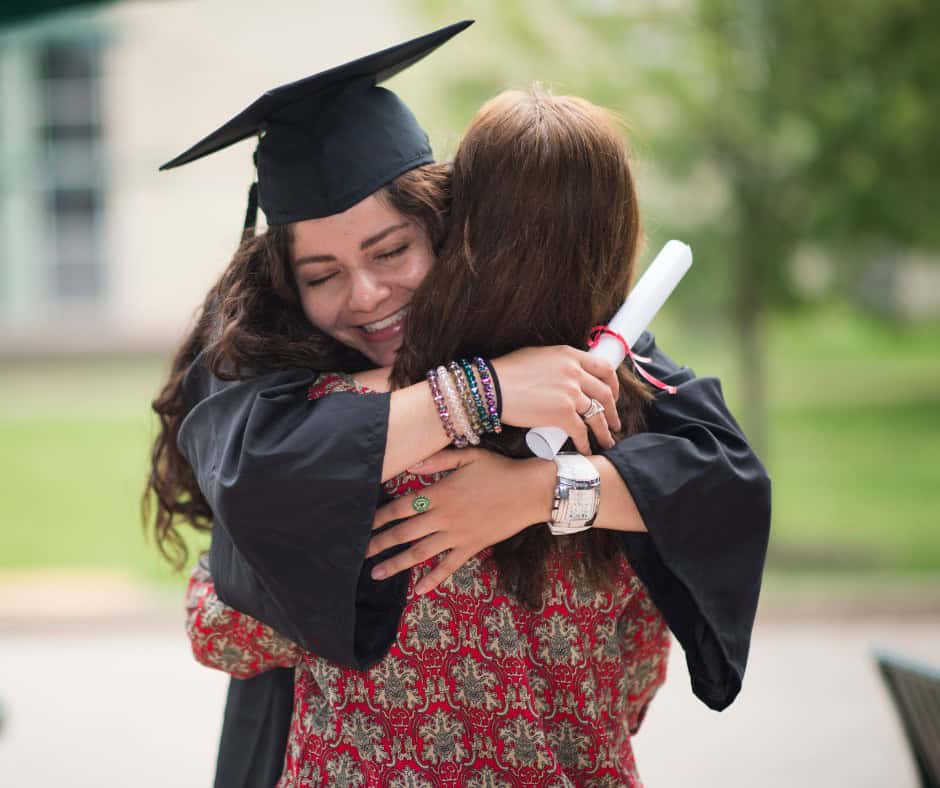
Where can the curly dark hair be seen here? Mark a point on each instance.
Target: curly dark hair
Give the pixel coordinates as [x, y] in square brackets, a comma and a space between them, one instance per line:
[252, 321]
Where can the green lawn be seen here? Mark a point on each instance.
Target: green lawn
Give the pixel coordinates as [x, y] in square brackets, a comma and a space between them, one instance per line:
[71, 490]
[857, 485]
[74, 439]
[854, 441]
[854, 448]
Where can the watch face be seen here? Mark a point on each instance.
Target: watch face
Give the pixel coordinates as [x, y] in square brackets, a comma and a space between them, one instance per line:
[582, 504]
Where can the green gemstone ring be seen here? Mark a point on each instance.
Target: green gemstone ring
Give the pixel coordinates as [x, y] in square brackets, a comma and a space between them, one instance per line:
[421, 504]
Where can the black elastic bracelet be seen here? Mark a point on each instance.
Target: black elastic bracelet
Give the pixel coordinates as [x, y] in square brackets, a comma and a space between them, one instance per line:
[499, 391]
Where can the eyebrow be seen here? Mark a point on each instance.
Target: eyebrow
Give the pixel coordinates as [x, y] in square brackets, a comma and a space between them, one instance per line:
[370, 241]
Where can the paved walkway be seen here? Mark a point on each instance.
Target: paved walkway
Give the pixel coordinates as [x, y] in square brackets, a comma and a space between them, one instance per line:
[812, 713]
[132, 709]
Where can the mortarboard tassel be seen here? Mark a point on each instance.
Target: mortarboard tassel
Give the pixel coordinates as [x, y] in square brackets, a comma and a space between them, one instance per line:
[251, 214]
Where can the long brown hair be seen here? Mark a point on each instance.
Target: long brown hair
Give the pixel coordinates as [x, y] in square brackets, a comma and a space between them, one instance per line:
[542, 238]
[252, 321]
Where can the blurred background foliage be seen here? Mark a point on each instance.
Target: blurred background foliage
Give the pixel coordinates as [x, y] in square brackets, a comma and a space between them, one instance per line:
[792, 144]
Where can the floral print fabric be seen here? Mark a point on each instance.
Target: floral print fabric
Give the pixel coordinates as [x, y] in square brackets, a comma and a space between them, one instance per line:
[476, 690]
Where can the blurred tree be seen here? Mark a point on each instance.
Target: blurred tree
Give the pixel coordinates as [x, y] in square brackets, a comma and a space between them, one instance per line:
[784, 122]
[823, 120]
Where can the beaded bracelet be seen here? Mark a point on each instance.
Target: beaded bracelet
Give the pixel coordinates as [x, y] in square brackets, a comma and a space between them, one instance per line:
[441, 407]
[489, 391]
[482, 416]
[464, 391]
[456, 408]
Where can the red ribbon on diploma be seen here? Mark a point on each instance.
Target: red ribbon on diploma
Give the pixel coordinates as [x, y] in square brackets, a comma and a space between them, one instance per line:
[595, 336]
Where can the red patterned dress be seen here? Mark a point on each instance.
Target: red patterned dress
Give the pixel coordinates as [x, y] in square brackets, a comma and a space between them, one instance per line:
[476, 691]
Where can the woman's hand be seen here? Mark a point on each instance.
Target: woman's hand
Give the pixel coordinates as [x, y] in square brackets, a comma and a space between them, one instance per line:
[487, 499]
[552, 386]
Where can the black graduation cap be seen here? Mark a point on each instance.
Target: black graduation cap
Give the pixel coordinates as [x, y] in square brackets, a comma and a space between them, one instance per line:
[330, 140]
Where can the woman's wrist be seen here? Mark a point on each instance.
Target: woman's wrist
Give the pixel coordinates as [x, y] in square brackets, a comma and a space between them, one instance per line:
[618, 510]
[466, 398]
[415, 431]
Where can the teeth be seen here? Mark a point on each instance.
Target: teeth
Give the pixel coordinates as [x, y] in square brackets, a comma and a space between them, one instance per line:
[378, 325]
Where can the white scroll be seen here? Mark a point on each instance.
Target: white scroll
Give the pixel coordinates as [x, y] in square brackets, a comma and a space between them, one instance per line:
[636, 313]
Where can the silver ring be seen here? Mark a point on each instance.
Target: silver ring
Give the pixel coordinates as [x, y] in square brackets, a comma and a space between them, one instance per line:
[594, 408]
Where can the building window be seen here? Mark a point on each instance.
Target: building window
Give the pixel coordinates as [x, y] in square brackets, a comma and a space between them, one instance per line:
[72, 170]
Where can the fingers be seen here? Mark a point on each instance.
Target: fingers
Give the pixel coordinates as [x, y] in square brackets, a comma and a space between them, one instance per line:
[409, 531]
[600, 391]
[418, 553]
[445, 568]
[398, 509]
[601, 370]
[578, 432]
[598, 425]
[446, 459]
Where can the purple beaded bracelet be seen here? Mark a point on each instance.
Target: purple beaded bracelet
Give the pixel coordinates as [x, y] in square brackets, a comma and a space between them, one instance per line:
[491, 407]
[442, 410]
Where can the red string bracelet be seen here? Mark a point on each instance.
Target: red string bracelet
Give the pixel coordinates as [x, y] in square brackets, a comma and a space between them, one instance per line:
[595, 336]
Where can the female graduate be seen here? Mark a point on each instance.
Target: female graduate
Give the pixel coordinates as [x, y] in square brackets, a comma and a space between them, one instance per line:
[535, 662]
[292, 486]
[477, 685]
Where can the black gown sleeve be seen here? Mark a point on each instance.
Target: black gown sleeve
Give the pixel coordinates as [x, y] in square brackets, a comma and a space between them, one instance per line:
[705, 499]
[293, 485]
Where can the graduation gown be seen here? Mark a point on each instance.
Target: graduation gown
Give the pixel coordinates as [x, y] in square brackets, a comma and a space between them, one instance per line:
[293, 486]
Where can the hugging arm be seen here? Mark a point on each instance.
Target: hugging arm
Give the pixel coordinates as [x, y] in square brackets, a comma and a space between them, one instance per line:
[230, 641]
[693, 509]
[293, 486]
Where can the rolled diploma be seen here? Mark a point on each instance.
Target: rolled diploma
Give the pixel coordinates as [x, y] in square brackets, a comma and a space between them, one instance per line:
[634, 315]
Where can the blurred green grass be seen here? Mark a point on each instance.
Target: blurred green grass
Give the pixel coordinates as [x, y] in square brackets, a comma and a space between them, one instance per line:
[854, 447]
[74, 441]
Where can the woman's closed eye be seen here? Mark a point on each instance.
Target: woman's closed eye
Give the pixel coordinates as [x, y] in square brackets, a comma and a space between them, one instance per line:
[396, 252]
[315, 282]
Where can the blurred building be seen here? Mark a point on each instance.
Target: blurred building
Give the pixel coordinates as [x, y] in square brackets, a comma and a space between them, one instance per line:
[99, 251]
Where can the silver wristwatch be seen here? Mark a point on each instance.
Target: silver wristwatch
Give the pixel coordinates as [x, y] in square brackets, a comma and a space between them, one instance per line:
[577, 494]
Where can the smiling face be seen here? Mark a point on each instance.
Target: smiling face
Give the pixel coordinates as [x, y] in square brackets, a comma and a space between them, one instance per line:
[356, 272]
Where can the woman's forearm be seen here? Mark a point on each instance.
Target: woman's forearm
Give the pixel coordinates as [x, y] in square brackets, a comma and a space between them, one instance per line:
[415, 430]
[225, 639]
[617, 511]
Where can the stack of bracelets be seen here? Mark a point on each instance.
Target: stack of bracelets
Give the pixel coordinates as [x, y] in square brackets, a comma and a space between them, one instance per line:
[466, 413]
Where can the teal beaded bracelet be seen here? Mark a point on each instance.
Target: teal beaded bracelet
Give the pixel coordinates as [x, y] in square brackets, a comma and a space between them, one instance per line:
[488, 389]
[483, 416]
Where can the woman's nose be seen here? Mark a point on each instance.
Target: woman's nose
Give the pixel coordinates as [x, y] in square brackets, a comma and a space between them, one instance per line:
[367, 293]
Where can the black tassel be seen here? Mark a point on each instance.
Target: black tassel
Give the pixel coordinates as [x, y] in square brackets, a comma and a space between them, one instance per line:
[251, 215]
